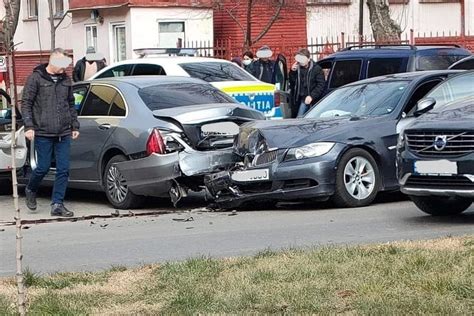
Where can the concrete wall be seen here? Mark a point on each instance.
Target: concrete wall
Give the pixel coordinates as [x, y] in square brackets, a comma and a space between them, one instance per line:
[425, 18]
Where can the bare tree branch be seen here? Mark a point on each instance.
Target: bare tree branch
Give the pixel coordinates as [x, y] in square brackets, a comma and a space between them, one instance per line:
[270, 23]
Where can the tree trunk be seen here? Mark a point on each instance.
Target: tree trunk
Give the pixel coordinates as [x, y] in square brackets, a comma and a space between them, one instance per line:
[248, 26]
[385, 29]
[51, 24]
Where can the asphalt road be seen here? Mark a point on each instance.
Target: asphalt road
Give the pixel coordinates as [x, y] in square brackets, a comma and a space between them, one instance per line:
[100, 244]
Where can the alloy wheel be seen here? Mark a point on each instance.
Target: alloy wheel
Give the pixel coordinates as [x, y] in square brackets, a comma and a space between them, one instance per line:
[359, 178]
[116, 185]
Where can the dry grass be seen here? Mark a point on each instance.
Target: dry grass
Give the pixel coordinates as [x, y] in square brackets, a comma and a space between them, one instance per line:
[423, 277]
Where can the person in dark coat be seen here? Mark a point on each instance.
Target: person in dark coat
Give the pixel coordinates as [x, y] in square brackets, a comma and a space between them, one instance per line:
[87, 66]
[306, 83]
[264, 68]
[50, 119]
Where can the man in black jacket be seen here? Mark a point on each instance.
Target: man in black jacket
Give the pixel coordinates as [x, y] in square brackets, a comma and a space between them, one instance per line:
[50, 119]
[306, 83]
[88, 65]
[264, 68]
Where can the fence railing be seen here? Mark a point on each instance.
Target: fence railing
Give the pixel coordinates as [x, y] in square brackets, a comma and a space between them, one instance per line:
[321, 47]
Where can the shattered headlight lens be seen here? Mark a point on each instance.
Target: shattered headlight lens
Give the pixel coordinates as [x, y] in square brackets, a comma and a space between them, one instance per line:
[309, 151]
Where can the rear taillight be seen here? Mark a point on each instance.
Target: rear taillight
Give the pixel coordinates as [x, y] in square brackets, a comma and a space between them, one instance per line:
[155, 143]
[277, 98]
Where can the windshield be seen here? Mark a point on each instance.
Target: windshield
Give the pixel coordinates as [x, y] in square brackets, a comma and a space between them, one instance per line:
[370, 99]
[216, 72]
[454, 89]
[181, 94]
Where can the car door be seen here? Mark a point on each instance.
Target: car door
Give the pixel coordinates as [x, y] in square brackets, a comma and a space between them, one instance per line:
[6, 154]
[100, 114]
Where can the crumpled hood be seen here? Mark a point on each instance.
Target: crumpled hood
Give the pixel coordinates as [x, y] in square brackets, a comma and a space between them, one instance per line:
[259, 136]
[459, 115]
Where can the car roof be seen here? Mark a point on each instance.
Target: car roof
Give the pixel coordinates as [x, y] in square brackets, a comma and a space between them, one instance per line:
[145, 81]
[401, 51]
[171, 60]
[409, 76]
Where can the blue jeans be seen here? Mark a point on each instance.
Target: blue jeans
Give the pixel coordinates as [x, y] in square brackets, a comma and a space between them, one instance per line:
[45, 148]
[302, 109]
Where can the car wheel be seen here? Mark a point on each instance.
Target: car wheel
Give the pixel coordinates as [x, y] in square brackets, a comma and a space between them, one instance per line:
[116, 187]
[357, 179]
[438, 206]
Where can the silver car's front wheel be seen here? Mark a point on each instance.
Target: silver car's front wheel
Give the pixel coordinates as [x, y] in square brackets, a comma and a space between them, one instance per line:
[116, 188]
[359, 178]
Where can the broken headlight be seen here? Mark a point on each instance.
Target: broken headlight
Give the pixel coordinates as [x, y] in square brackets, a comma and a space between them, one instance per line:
[309, 151]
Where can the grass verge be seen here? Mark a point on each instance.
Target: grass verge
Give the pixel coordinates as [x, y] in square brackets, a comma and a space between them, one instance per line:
[426, 277]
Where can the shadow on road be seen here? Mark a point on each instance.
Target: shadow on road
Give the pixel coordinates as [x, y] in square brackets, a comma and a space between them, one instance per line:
[461, 219]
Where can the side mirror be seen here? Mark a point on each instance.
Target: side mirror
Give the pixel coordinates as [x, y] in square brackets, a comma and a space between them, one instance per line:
[424, 105]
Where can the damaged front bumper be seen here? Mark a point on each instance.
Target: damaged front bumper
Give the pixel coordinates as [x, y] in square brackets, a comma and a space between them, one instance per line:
[312, 178]
[156, 174]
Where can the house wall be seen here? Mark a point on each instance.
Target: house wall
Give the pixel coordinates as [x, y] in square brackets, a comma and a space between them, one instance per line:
[424, 18]
[198, 25]
[82, 18]
[30, 39]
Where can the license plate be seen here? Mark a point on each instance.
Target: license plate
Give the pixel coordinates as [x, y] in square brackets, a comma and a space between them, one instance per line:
[251, 175]
[436, 167]
[220, 129]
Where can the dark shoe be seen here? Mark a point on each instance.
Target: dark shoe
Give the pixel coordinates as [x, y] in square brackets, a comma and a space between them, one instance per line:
[30, 199]
[59, 210]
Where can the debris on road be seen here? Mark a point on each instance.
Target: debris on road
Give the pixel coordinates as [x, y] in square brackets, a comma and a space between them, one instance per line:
[187, 219]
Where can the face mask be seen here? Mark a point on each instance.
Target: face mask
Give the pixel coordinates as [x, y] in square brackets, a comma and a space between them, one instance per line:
[247, 62]
[302, 59]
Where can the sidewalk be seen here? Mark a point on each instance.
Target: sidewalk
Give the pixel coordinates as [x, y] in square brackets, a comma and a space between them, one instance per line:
[84, 204]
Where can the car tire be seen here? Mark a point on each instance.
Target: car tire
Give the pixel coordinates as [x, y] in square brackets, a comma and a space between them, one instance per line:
[438, 206]
[116, 188]
[353, 189]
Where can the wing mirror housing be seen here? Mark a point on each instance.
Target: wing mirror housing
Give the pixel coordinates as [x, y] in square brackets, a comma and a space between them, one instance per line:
[424, 105]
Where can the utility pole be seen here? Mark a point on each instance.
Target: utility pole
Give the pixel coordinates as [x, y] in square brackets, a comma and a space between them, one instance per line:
[9, 47]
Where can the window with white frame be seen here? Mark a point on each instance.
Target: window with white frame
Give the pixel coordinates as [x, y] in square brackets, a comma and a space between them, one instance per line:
[91, 36]
[32, 8]
[170, 34]
[119, 42]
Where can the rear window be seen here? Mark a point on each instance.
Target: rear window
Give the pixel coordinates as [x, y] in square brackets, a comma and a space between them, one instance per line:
[385, 66]
[216, 72]
[437, 62]
[181, 94]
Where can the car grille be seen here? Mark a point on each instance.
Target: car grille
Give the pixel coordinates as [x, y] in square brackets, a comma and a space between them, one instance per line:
[440, 182]
[265, 158]
[423, 143]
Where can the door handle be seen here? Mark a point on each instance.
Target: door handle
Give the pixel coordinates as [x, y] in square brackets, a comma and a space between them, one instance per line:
[105, 126]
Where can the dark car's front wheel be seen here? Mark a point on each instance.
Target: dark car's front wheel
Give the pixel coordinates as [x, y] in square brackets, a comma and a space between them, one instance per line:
[438, 206]
[116, 187]
[357, 179]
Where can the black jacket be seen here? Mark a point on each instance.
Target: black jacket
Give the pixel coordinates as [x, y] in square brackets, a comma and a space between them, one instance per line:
[264, 71]
[315, 83]
[48, 107]
[80, 68]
